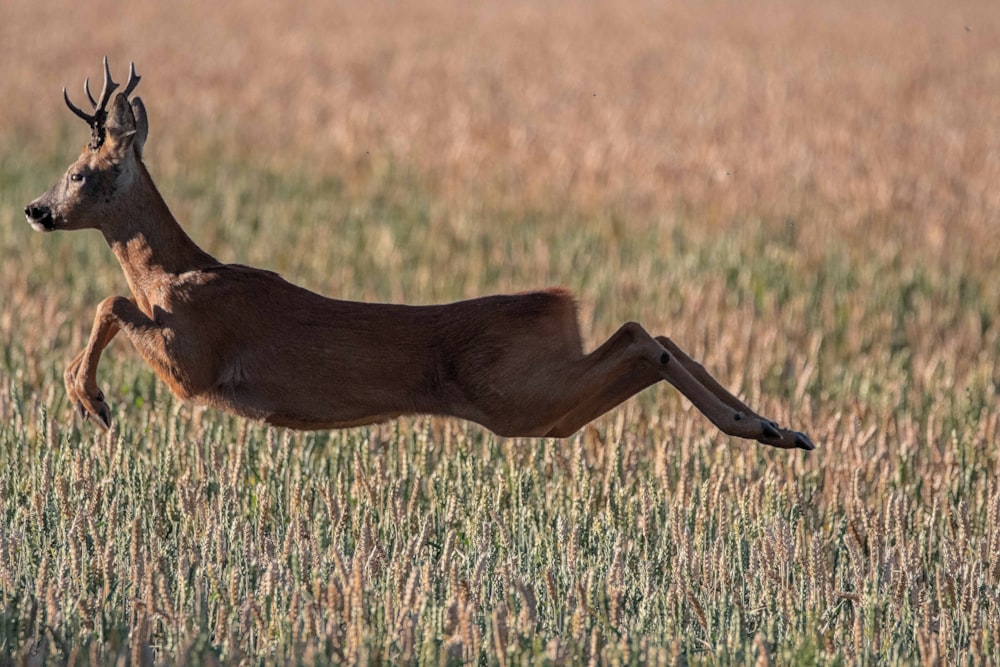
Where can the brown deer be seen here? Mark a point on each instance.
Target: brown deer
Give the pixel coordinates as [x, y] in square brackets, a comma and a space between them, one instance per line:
[246, 341]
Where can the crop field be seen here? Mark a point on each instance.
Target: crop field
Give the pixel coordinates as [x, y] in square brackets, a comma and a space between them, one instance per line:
[805, 196]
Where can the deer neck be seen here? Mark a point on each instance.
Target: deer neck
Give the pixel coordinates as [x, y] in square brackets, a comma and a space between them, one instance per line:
[149, 243]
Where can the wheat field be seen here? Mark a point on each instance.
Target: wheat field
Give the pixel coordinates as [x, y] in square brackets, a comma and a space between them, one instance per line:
[803, 196]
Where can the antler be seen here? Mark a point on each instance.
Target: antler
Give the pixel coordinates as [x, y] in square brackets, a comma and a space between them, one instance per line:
[97, 119]
[133, 80]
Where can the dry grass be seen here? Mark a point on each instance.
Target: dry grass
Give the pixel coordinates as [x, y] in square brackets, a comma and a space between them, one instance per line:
[803, 196]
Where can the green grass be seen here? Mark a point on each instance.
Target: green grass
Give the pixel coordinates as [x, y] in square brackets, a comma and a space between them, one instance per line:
[648, 538]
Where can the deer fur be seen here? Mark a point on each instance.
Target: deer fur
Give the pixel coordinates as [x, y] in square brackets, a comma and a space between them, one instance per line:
[246, 341]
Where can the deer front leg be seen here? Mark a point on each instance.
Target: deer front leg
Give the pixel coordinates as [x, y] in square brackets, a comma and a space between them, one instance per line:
[114, 314]
[81, 374]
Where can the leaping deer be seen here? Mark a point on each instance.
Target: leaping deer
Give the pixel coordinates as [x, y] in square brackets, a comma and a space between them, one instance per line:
[246, 341]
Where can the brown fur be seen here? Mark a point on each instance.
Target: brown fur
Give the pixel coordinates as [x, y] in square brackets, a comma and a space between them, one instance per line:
[246, 341]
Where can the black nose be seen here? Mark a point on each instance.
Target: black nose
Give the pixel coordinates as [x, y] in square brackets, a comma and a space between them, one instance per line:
[36, 212]
[39, 214]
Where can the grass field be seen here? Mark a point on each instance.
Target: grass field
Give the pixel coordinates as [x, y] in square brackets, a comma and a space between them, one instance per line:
[804, 197]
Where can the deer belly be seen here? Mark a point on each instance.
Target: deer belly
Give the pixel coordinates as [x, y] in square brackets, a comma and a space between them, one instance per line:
[317, 397]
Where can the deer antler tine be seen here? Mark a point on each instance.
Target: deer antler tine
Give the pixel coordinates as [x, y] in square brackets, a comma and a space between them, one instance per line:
[97, 119]
[86, 88]
[133, 79]
[109, 87]
[75, 109]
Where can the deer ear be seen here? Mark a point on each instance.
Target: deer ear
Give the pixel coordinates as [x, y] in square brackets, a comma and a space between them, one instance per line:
[141, 124]
[120, 127]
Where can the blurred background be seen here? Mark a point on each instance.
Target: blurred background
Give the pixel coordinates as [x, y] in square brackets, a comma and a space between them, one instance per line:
[874, 121]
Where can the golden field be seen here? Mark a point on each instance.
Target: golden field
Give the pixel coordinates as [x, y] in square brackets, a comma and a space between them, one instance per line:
[803, 196]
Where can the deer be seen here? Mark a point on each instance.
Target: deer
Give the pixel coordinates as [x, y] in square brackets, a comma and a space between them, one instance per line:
[245, 341]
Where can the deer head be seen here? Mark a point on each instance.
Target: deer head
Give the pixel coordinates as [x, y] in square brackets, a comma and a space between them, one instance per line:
[94, 186]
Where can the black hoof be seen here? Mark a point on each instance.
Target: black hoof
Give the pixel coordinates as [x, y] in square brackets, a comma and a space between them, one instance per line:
[105, 417]
[802, 441]
[770, 431]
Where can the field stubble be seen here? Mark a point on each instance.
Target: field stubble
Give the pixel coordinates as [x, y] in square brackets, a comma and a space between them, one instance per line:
[804, 197]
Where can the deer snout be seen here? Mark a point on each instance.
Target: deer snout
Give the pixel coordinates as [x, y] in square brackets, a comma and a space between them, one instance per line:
[40, 217]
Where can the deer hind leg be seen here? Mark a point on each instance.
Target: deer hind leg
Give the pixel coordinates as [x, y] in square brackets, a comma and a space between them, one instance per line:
[529, 395]
[628, 362]
[701, 375]
[629, 383]
[611, 374]
[727, 412]
[632, 360]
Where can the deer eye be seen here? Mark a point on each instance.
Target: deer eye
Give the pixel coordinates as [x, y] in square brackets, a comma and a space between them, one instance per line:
[76, 177]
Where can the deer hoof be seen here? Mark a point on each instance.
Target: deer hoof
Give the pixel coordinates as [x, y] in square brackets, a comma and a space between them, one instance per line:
[104, 415]
[95, 407]
[802, 441]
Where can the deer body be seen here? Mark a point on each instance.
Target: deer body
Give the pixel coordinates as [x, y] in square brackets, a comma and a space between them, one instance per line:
[246, 341]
